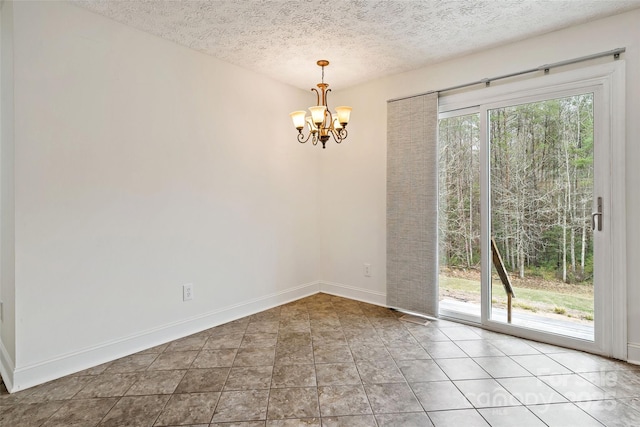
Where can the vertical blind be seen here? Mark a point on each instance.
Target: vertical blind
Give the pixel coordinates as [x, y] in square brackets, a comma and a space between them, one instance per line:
[412, 201]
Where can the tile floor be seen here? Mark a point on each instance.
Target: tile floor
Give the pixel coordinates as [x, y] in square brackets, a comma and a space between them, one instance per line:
[329, 361]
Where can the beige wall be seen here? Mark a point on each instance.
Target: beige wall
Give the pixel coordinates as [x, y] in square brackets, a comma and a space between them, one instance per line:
[7, 255]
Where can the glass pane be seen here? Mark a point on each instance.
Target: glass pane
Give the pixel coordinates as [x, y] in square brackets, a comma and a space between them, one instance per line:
[459, 214]
[541, 157]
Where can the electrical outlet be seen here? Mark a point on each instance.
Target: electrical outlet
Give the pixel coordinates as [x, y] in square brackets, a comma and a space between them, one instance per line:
[187, 292]
[367, 270]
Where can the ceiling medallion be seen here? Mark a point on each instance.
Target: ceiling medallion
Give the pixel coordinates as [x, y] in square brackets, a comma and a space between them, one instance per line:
[322, 123]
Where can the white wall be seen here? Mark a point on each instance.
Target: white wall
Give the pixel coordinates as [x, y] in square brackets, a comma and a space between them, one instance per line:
[353, 178]
[7, 254]
[141, 165]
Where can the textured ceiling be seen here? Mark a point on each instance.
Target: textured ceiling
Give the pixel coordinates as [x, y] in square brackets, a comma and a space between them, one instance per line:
[363, 39]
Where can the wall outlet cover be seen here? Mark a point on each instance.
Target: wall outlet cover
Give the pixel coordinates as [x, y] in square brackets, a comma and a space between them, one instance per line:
[187, 292]
[367, 270]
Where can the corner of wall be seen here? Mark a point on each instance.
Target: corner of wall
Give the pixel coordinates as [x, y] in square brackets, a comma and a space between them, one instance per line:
[7, 232]
[354, 292]
[633, 353]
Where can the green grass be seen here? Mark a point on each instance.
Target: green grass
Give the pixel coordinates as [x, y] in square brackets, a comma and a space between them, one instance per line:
[568, 301]
[559, 310]
[526, 298]
[525, 306]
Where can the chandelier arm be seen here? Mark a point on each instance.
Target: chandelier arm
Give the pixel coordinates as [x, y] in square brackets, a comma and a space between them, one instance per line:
[328, 123]
[317, 95]
[302, 139]
[336, 137]
[339, 135]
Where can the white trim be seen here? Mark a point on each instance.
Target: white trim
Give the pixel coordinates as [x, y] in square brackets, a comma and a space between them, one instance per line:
[467, 319]
[66, 364]
[633, 353]
[618, 219]
[6, 367]
[355, 293]
[542, 85]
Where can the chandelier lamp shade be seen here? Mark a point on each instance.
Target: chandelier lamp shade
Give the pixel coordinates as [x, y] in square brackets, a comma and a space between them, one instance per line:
[322, 123]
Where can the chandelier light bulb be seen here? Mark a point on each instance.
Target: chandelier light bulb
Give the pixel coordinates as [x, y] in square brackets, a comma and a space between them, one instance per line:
[317, 113]
[298, 119]
[344, 113]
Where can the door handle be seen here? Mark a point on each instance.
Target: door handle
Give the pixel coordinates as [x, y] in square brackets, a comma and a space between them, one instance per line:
[597, 214]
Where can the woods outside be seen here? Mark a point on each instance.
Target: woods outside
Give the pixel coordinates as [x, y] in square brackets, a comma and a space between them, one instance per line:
[541, 180]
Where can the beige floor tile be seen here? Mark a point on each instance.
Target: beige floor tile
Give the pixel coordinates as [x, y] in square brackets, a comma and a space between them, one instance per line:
[440, 396]
[246, 405]
[293, 403]
[464, 417]
[285, 376]
[156, 382]
[188, 408]
[135, 411]
[81, 413]
[563, 414]
[343, 400]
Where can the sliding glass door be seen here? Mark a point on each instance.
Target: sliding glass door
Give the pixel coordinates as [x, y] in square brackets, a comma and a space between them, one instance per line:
[525, 235]
[459, 215]
[541, 180]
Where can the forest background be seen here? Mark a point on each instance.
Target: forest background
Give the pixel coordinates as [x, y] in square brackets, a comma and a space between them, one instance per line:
[541, 196]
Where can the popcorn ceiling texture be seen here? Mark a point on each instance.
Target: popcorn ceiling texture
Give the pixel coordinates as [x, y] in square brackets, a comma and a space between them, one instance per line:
[363, 39]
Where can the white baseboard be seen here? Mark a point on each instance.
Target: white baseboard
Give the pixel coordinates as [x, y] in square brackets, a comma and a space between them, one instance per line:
[633, 353]
[29, 376]
[352, 292]
[6, 367]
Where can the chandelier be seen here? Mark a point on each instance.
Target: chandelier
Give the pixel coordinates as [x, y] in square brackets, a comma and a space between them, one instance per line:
[322, 122]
